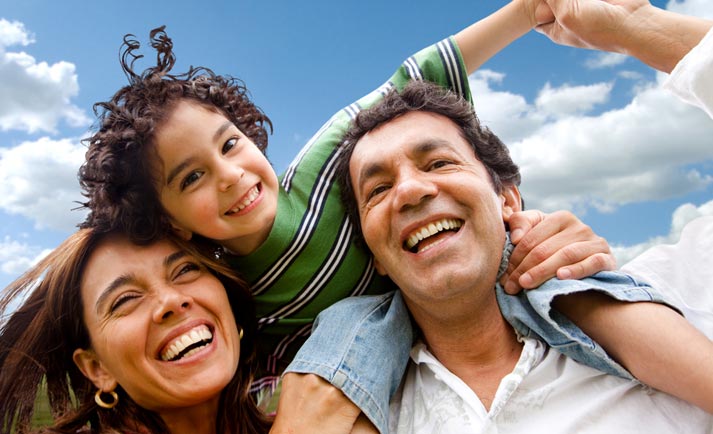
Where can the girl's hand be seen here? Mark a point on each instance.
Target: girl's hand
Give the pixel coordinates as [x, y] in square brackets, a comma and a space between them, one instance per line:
[553, 245]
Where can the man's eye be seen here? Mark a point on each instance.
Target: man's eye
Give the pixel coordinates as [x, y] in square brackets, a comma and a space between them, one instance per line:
[377, 191]
[230, 144]
[440, 163]
[190, 179]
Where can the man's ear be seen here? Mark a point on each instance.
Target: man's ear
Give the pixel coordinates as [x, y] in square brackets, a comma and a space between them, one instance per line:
[181, 233]
[511, 201]
[92, 368]
[379, 268]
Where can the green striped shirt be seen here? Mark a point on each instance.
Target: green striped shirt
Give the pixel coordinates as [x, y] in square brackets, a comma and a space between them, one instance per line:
[310, 260]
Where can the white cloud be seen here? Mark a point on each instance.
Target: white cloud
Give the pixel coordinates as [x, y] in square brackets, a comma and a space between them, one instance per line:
[14, 33]
[34, 96]
[506, 113]
[572, 160]
[571, 100]
[601, 60]
[630, 75]
[40, 182]
[681, 216]
[16, 257]
[699, 8]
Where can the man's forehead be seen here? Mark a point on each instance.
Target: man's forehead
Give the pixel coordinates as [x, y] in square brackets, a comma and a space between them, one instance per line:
[415, 134]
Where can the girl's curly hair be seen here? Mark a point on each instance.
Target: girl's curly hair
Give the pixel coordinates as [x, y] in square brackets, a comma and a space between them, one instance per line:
[118, 177]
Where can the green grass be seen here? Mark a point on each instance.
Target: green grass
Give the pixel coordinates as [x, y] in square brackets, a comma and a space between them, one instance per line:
[42, 415]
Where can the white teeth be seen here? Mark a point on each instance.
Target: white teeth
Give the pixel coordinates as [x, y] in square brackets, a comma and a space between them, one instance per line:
[431, 229]
[249, 198]
[196, 335]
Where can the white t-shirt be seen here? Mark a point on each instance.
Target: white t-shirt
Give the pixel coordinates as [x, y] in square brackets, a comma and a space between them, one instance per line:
[547, 392]
[691, 79]
[684, 272]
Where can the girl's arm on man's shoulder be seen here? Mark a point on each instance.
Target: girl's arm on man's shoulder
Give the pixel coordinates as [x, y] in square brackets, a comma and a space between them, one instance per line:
[652, 341]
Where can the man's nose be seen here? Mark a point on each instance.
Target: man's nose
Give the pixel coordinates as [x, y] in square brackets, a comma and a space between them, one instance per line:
[413, 189]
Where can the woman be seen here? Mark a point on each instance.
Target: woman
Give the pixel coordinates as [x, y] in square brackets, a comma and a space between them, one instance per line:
[129, 338]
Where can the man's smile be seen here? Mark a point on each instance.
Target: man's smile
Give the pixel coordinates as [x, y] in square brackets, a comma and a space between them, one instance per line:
[415, 240]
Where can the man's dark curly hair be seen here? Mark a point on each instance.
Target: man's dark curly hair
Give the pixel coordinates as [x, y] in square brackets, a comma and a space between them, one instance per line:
[426, 97]
[119, 174]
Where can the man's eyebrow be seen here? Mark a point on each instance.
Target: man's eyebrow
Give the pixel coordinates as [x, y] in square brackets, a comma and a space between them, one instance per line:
[373, 169]
[369, 171]
[429, 145]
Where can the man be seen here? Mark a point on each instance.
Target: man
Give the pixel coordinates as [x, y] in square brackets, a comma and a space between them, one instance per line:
[463, 354]
[433, 192]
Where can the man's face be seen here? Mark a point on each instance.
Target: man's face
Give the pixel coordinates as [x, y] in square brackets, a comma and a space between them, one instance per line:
[428, 209]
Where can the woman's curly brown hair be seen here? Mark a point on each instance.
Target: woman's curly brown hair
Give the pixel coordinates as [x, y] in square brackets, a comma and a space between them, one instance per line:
[118, 176]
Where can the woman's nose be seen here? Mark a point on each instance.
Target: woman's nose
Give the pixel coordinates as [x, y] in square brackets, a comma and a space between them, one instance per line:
[171, 302]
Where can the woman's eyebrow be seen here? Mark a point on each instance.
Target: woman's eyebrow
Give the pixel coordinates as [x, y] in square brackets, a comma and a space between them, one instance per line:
[113, 286]
[125, 279]
[173, 257]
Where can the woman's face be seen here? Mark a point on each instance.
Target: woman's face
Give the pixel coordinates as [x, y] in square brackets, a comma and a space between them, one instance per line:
[160, 326]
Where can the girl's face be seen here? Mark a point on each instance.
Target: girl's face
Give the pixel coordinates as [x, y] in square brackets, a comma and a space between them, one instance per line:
[160, 326]
[215, 182]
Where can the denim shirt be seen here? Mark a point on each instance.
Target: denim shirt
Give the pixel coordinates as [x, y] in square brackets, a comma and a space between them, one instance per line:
[361, 344]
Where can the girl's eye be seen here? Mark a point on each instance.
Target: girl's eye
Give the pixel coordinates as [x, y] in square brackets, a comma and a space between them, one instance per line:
[190, 179]
[230, 144]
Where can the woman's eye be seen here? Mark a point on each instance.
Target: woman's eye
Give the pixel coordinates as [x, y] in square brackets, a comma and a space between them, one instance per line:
[187, 268]
[121, 301]
[190, 179]
[230, 144]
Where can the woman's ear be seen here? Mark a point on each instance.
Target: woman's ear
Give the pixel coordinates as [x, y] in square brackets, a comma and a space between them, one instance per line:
[511, 201]
[93, 369]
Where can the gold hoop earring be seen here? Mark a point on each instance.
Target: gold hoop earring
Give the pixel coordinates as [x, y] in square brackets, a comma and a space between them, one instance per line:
[240, 333]
[100, 402]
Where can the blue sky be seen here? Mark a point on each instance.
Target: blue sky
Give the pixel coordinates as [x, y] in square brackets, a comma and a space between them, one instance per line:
[593, 133]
